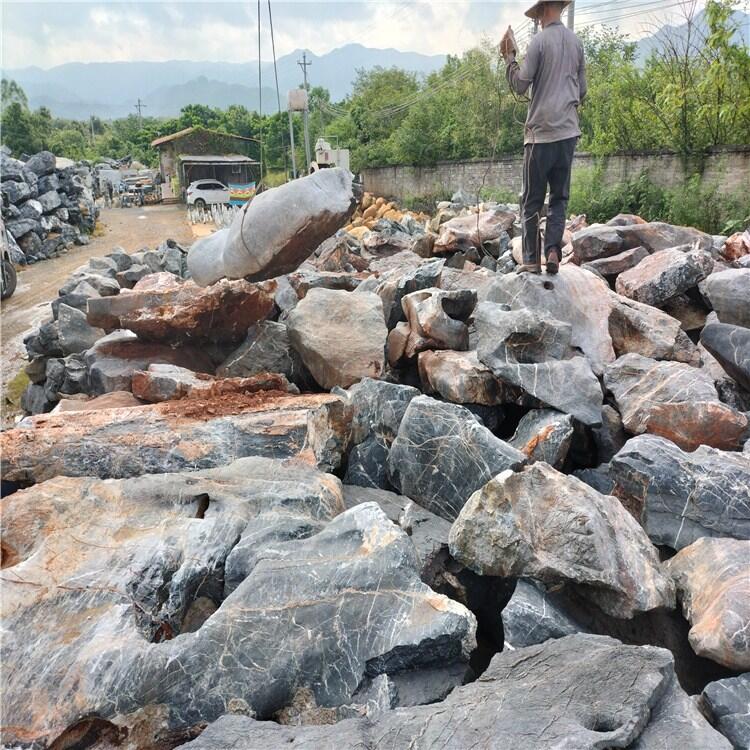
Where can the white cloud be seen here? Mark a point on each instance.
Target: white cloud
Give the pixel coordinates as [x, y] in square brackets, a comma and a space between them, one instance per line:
[48, 34]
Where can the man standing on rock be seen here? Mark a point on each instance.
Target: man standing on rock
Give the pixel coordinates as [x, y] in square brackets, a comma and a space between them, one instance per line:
[554, 69]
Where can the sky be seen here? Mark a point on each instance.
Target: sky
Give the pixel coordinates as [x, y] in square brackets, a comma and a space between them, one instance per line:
[49, 34]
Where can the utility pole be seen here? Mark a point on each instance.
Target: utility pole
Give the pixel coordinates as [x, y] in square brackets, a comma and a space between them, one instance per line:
[303, 63]
[291, 138]
[572, 16]
[140, 106]
[91, 120]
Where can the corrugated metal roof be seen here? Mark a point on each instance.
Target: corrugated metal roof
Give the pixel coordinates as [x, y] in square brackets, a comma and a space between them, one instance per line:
[208, 159]
[187, 131]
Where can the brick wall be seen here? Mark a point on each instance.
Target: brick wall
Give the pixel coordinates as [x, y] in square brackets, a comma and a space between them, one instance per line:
[726, 168]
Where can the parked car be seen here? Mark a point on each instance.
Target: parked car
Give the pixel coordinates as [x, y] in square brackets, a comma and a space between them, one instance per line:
[202, 193]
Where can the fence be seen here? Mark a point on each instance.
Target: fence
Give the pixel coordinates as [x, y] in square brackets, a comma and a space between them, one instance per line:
[726, 168]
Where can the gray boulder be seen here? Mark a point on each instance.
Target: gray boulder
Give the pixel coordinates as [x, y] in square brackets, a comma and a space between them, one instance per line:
[15, 192]
[729, 294]
[49, 201]
[584, 692]
[684, 496]
[377, 409]
[275, 233]
[11, 170]
[611, 267]
[728, 702]
[539, 523]
[534, 616]
[320, 616]
[340, 336]
[42, 163]
[75, 334]
[443, 453]
[31, 209]
[730, 345]
[665, 274]
[534, 352]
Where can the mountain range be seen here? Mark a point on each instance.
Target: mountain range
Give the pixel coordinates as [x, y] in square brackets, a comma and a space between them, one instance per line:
[112, 88]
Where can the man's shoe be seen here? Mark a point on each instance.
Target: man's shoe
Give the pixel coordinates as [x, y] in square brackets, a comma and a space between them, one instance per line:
[529, 268]
[553, 261]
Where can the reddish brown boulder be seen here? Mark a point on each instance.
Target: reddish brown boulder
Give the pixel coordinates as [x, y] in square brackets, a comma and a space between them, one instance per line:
[465, 232]
[736, 246]
[163, 307]
[169, 383]
[713, 580]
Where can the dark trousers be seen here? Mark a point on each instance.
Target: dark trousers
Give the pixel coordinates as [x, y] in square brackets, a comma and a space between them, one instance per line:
[545, 164]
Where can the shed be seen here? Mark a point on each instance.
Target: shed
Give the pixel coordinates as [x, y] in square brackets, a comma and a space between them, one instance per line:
[199, 153]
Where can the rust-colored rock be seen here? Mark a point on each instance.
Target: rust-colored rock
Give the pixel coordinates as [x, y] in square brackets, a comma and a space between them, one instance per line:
[736, 246]
[713, 580]
[162, 307]
[169, 383]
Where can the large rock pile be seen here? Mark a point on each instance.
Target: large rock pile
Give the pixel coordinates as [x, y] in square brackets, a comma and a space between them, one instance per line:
[399, 496]
[46, 210]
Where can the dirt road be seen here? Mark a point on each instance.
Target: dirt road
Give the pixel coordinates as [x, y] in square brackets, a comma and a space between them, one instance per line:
[131, 228]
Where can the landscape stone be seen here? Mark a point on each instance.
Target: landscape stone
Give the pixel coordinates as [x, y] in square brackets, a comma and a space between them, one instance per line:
[443, 453]
[728, 702]
[75, 334]
[355, 584]
[713, 580]
[277, 230]
[162, 307]
[729, 294]
[544, 435]
[539, 523]
[533, 351]
[182, 435]
[340, 336]
[467, 232]
[377, 409]
[614, 265]
[673, 400]
[574, 296]
[684, 496]
[42, 163]
[730, 345]
[641, 329]
[49, 201]
[584, 692]
[665, 274]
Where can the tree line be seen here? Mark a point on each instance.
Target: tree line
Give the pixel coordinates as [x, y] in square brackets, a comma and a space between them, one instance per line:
[692, 93]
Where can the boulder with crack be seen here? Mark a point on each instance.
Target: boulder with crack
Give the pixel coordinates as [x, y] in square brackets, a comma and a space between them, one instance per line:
[684, 496]
[277, 231]
[585, 692]
[169, 383]
[641, 329]
[533, 351]
[673, 400]
[163, 307]
[663, 275]
[340, 336]
[728, 703]
[443, 453]
[604, 241]
[713, 582]
[146, 638]
[173, 436]
[544, 435]
[730, 345]
[539, 523]
[729, 294]
[614, 265]
[377, 409]
[574, 296]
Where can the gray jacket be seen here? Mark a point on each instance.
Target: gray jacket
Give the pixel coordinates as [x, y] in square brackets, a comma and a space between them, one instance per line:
[554, 68]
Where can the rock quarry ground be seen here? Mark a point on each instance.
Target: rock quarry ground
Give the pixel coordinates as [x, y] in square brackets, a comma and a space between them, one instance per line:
[395, 495]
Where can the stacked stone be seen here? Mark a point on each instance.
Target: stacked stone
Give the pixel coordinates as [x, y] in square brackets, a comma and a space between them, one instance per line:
[46, 210]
